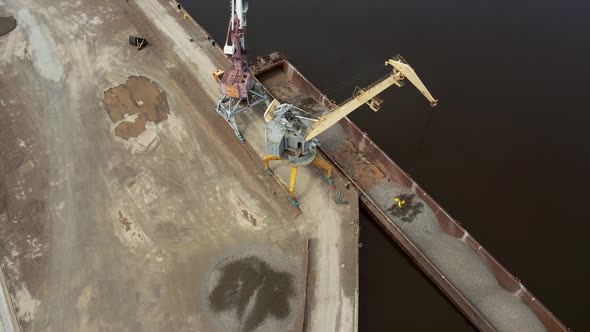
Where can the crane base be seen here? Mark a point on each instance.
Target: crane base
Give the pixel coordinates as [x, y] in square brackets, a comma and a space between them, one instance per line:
[228, 107]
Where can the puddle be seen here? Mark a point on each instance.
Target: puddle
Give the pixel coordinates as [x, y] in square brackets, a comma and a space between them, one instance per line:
[135, 103]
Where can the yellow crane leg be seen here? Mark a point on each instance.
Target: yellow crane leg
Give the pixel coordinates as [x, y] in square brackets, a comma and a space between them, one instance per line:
[290, 192]
[321, 163]
[292, 182]
[269, 158]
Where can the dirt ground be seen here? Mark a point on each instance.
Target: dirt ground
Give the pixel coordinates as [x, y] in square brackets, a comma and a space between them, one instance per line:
[117, 230]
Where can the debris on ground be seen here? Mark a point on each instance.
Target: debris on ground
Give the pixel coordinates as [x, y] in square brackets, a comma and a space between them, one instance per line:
[339, 197]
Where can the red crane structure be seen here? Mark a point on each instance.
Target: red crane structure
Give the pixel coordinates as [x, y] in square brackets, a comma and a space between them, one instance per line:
[239, 88]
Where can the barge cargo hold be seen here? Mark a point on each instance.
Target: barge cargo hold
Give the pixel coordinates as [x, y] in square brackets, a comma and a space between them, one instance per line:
[467, 273]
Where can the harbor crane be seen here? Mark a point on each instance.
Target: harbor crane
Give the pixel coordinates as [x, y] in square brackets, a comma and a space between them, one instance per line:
[239, 88]
[291, 132]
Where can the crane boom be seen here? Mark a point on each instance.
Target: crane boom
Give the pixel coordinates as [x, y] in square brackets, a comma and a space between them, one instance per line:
[409, 73]
[400, 71]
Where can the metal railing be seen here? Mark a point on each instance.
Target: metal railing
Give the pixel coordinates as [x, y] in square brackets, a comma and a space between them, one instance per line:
[354, 95]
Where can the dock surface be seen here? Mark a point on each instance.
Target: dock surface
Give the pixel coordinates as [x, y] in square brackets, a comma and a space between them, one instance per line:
[126, 202]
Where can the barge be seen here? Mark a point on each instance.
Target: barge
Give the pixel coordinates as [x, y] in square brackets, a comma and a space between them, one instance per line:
[485, 292]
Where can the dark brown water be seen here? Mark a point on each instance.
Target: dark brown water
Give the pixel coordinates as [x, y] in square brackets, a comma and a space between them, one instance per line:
[507, 152]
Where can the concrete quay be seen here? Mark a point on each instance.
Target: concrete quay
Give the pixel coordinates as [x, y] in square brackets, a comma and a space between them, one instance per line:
[126, 203]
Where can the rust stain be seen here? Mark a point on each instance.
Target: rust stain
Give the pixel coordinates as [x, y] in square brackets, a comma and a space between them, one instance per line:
[357, 165]
[139, 97]
[123, 221]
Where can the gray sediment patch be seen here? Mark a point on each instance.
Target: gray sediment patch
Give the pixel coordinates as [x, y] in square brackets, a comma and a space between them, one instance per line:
[7, 24]
[461, 266]
[255, 289]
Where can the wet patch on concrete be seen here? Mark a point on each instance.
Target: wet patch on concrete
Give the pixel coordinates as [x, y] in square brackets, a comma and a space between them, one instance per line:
[125, 174]
[253, 291]
[134, 104]
[7, 24]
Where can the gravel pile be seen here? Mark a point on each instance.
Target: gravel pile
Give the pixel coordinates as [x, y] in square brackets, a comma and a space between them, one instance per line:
[507, 313]
[462, 266]
[255, 289]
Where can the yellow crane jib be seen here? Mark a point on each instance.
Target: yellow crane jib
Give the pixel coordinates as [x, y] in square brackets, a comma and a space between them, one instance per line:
[408, 72]
[291, 132]
[400, 70]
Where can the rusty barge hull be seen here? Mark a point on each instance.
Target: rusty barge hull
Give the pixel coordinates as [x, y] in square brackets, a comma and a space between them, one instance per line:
[377, 177]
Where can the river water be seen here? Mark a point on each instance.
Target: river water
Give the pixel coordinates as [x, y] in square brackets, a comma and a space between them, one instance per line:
[507, 152]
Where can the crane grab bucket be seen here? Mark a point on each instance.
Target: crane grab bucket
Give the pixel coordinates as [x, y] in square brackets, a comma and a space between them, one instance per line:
[409, 73]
